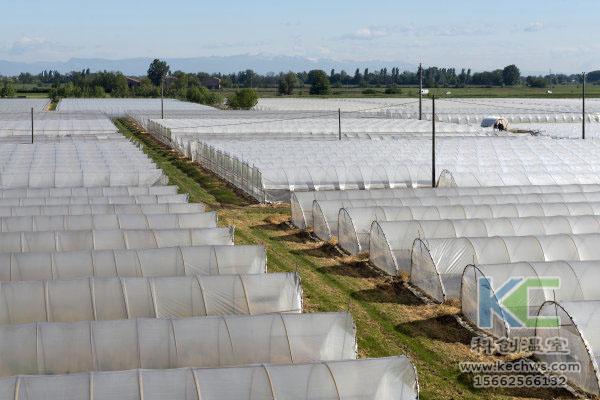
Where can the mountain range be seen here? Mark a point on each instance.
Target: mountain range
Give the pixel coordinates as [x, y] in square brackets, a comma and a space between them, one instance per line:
[227, 64]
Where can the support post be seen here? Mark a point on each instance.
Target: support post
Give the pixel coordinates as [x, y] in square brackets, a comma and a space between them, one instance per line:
[420, 92]
[31, 125]
[583, 107]
[340, 123]
[162, 100]
[433, 142]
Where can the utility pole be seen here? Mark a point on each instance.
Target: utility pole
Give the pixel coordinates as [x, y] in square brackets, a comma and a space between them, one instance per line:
[162, 99]
[433, 142]
[31, 125]
[420, 91]
[583, 107]
[340, 123]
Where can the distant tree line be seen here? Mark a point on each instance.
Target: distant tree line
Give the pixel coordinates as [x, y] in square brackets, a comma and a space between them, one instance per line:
[188, 85]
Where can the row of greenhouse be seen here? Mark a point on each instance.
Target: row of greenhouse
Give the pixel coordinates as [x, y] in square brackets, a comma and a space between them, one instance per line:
[114, 285]
[466, 243]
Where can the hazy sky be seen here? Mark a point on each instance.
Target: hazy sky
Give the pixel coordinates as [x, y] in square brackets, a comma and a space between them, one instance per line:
[534, 34]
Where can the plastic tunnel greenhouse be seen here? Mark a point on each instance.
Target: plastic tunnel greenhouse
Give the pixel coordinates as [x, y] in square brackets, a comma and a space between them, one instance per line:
[377, 379]
[14, 242]
[302, 202]
[576, 281]
[95, 209]
[394, 240]
[354, 223]
[438, 264]
[100, 299]
[50, 201]
[326, 213]
[51, 348]
[579, 326]
[161, 262]
[41, 223]
[102, 191]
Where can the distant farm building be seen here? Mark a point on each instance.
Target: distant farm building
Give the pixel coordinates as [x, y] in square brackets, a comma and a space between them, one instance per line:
[212, 83]
[133, 82]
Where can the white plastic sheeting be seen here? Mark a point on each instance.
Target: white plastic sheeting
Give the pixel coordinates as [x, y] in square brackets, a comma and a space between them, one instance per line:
[354, 224]
[326, 212]
[71, 347]
[289, 166]
[577, 281]
[561, 130]
[437, 265]
[22, 105]
[107, 191]
[75, 164]
[116, 107]
[376, 379]
[14, 242]
[579, 326]
[41, 223]
[166, 261]
[101, 299]
[95, 209]
[302, 202]
[52, 201]
[464, 110]
[52, 127]
[396, 238]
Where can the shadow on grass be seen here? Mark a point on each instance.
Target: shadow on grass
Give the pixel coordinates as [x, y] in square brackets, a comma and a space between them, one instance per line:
[442, 327]
[388, 292]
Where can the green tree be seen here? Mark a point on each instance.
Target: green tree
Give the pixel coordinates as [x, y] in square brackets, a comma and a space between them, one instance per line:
[287, 83]
[7, 90]
[511, 75]
[319, 82]
[243, 99]
[157, 71]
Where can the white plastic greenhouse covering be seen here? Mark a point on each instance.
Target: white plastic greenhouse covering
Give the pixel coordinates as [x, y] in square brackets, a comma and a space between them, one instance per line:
[117, 108]
[580, 326]
[302, 202]
[354, 224]
[376, 379]
[75, 164]
[464, 111]
[52, 127]
[101, 299]
[561, 130]
[437, 266]
[578, 280]
[22, 105]
[287, 166]
[394, 240]
[71, 347]
[88, 191]
[289, 127]
[326, 212]
[116, 200]
[41, 223]
[22, 242]
[166, 261]
[95, 209]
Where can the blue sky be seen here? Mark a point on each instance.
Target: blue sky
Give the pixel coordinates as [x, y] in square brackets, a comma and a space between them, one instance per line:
[534, 34]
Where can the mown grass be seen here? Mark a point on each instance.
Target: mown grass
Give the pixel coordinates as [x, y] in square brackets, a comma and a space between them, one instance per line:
[390, 320]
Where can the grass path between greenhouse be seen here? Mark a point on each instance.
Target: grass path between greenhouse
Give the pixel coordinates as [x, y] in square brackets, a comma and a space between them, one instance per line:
[390, 320]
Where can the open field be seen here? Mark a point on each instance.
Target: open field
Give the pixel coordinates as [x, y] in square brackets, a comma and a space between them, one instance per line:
[390, 319]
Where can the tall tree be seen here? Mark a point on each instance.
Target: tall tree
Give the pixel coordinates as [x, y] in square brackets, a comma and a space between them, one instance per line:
[320, 83]
[157, 71]
[511, 75]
